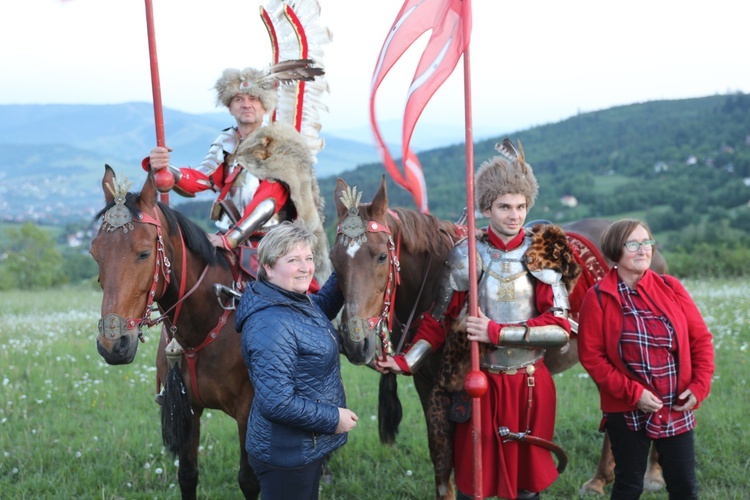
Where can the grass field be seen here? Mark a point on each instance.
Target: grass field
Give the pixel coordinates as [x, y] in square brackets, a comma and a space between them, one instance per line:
[73, 427]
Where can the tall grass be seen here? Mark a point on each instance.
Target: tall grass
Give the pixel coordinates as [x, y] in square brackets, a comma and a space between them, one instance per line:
[72, 426]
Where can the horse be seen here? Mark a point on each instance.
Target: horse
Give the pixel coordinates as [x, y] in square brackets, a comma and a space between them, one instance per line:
[149, 254]
[390, 270]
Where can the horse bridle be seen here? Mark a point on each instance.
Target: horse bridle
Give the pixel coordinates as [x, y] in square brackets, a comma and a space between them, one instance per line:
[113, 326]
[383, 322]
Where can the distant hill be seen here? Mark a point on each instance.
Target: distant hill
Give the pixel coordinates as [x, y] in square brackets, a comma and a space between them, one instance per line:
[676, 162]
[52, 156]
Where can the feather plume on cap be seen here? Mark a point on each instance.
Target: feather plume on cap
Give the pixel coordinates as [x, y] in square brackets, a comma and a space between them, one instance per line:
[263, 84]
[506, 174]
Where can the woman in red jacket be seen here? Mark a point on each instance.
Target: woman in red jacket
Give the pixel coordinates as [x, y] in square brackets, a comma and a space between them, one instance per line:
[645, 344]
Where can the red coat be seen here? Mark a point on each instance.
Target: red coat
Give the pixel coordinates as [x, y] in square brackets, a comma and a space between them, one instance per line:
[599, 331]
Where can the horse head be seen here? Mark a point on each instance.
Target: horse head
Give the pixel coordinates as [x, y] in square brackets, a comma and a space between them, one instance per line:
[364, 257]
[133, 268]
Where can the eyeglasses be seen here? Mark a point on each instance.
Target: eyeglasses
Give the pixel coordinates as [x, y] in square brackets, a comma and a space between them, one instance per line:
[633, 246]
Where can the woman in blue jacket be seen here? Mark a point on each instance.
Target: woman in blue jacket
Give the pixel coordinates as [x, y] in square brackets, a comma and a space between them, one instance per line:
[291, 350]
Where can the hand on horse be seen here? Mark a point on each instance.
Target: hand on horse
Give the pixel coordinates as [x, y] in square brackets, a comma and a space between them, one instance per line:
[477, 328]
[387, 366]
[690, 400]
[159, 158]
[219, 241]
[347, 420]
[648, 402]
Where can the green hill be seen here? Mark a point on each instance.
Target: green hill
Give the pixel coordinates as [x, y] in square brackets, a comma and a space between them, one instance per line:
[679, 164]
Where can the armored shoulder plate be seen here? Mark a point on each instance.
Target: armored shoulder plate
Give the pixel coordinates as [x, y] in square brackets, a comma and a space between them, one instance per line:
[458, 261]
[226, 142]
[454, 278]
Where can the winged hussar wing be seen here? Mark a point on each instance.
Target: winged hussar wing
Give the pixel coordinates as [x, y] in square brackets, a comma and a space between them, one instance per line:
[296, 34]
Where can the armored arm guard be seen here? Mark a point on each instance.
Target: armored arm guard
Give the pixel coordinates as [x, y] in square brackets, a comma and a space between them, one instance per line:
[417, 355]
[454, 278]
[534, 336]
[247, 226]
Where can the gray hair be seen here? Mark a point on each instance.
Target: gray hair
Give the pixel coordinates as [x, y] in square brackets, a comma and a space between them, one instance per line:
[280, 241]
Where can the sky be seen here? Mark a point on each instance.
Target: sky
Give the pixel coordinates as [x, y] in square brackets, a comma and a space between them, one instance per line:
[532, 62]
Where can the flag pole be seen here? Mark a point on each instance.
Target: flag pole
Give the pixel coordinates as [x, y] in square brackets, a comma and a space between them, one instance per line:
[476, 381]
[163, 178]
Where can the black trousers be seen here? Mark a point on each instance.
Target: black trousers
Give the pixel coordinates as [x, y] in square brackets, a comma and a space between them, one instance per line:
[288, 484]
[630, 450]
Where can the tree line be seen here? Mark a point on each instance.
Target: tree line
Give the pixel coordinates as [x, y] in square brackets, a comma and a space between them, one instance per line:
[682, 165]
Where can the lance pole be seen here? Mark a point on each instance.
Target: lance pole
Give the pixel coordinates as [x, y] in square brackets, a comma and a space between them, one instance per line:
[163, 178]
[476, 381]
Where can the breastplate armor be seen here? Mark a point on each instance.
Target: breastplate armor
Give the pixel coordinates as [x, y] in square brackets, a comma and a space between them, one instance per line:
[241, 193]
[506, 293]
[245, 184]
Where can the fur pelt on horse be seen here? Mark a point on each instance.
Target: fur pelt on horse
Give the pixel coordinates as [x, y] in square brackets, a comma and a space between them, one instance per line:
[278, 152]
[549, 249]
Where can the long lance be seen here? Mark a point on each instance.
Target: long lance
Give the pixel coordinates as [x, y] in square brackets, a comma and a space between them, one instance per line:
[164, 178]
[476, 381]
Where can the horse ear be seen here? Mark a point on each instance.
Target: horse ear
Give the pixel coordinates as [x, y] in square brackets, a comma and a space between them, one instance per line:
[341, 186]
[109, 179]
[148, 194]
[380, 203]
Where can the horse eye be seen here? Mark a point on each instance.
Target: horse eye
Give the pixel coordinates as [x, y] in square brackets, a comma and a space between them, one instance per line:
[144, 255]
[382, 258]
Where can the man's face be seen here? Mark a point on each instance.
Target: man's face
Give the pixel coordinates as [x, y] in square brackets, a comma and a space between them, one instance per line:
[507, 215]
[247, 110]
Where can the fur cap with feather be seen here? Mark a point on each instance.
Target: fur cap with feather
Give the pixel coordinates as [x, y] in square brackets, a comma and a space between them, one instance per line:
[505, 174]
[263, 84]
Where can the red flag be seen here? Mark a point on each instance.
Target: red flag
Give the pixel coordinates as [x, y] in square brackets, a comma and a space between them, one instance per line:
[447, 42]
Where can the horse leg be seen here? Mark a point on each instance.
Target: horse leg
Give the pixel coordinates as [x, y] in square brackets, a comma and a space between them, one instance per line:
[605, 470]
[653, 480]
[440, 439]
[187, 473]
[246, 476]
[161, 366]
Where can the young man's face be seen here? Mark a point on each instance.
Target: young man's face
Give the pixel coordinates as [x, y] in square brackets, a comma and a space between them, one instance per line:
[507, 215]
[247, 110]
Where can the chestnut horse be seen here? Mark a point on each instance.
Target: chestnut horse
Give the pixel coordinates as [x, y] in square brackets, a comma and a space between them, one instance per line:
[390, 265]
[150, 255]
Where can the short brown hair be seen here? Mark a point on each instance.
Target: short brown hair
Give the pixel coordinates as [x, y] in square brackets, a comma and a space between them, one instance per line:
[280, 241]
[614, 237]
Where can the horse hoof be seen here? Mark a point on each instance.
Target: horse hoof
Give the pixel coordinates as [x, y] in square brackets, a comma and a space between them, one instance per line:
[159, 398]
[593, 486]
[653, 484]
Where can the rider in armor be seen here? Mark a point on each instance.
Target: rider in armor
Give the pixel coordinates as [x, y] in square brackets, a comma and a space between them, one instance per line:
[263, 173]
[523, 308]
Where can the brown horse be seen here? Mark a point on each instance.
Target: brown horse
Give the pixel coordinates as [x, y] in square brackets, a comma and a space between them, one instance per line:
[150, 255]
[403, 253]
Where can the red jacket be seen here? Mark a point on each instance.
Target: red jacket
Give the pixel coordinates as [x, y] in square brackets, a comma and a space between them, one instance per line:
[600, 325]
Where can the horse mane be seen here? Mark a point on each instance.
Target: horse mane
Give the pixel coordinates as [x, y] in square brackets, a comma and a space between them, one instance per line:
[419, 232]
[194, 236]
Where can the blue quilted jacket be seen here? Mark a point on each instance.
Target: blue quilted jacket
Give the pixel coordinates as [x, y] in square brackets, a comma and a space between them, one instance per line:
[292, 354]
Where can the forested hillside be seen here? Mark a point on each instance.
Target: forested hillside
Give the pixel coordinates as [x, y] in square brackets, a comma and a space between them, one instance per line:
[684, 165]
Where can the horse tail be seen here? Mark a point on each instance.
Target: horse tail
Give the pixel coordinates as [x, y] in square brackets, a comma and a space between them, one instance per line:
[389, 409]
[176, 412]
